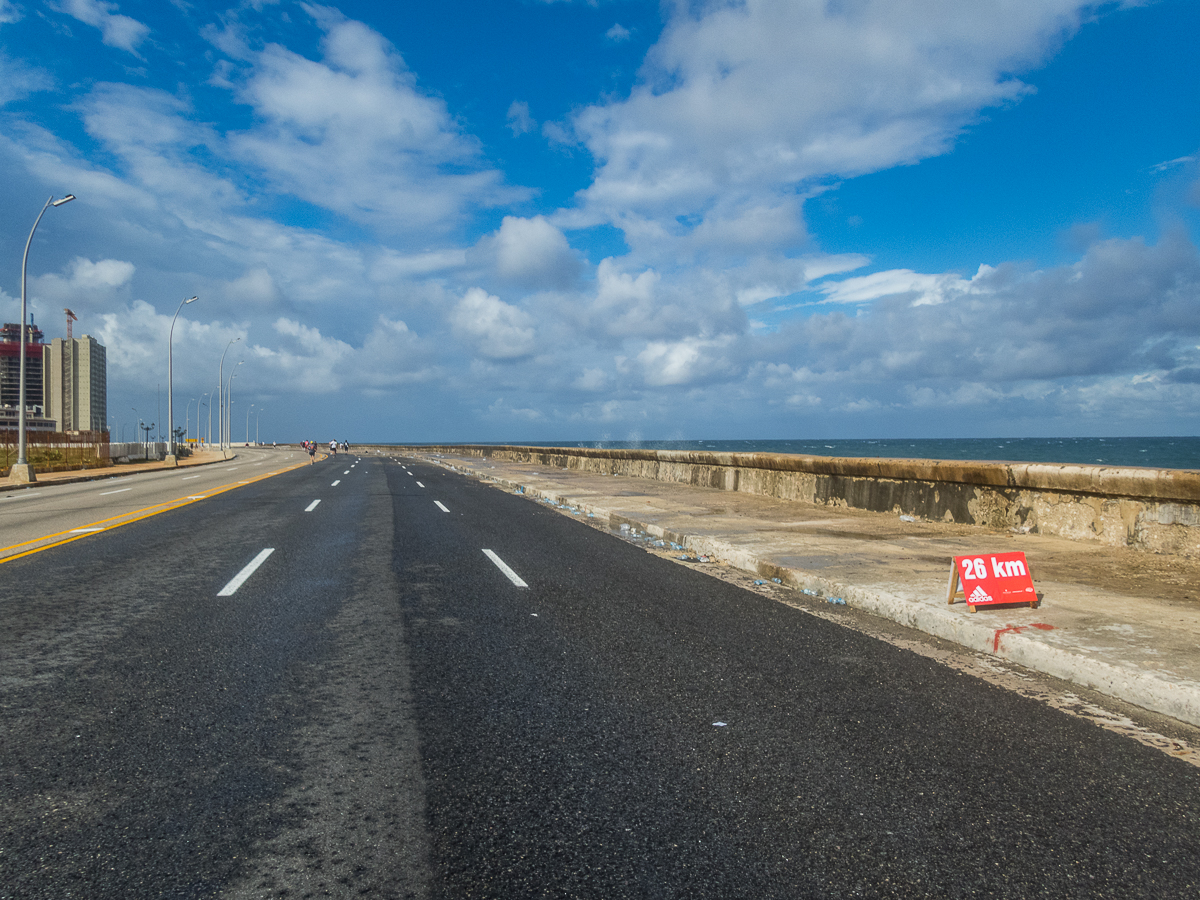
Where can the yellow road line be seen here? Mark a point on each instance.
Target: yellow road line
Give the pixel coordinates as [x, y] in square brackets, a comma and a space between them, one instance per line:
[127, 518]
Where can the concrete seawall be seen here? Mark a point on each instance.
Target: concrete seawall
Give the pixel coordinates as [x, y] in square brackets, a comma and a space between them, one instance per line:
[1146, 509]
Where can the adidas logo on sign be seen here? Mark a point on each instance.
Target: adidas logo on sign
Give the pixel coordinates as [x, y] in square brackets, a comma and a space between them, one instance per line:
[979, 595]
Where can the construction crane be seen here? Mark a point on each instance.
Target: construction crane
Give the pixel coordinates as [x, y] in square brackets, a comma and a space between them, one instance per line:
[71, 317]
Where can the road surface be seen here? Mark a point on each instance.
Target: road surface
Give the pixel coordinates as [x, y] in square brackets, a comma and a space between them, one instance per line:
[372, 678]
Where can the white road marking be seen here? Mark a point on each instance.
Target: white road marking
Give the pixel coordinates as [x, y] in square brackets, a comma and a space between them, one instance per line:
[336, 483]
[438, 504]
[503, 567]
[311, 506]
[347, 472]
[420, 485]
[117, 491]
[240, 578]
[187, 477]
[84, 530]
[198, 497]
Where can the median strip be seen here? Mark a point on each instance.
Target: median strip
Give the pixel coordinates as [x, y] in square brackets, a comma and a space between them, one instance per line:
[240, 578]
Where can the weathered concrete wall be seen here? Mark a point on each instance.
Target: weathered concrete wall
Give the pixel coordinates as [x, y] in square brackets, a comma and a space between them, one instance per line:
[1148, 509]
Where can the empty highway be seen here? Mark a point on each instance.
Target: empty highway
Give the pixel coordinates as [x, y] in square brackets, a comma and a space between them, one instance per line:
[376, 678]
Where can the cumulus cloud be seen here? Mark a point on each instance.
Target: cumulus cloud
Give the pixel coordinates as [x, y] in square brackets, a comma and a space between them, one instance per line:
[531, 253]
[617, 33]
[117, 30]
[747, 102]
[498, 331]
[354, 134]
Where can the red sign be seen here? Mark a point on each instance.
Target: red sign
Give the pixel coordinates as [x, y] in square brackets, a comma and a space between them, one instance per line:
[992, 578]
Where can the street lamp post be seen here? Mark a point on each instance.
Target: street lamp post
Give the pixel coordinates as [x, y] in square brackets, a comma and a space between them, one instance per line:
[171, 461]
[257, 416]
[227, 435]
[187, 418]
[248, 408]
[22, 471]
[220, 398]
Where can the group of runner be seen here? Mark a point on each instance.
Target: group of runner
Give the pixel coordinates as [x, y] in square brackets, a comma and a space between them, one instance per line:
[311, 447]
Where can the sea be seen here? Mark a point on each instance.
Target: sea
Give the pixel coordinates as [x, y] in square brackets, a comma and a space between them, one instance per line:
[1151, 452]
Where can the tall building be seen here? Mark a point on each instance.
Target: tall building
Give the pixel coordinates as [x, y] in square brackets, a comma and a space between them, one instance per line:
[10, 368]
[75, 375]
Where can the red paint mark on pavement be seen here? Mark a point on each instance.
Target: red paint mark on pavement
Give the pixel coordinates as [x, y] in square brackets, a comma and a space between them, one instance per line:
[1016, 629]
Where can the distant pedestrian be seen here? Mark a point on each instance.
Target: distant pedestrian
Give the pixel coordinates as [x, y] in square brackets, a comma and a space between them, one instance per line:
[312, 452]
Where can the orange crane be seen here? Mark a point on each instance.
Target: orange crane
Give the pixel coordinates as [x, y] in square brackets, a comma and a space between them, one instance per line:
[71, 317]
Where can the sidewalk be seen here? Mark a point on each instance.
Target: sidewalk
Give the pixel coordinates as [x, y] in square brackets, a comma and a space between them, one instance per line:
[1123, 622]
[201, 458]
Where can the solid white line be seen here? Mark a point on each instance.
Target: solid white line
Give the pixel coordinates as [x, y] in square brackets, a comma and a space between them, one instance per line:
[336, 483]
[438, 504]
[118, 491]
[239, 579]
[420, 485]
[503, 567]
[311, 506]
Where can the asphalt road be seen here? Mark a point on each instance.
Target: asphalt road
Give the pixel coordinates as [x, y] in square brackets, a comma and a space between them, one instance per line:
[379, 710]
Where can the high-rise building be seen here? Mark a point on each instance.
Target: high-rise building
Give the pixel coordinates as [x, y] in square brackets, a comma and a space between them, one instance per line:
[10, 367]
[75, 375]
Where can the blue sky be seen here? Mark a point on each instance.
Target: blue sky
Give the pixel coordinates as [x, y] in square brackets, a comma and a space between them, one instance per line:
[524, 220]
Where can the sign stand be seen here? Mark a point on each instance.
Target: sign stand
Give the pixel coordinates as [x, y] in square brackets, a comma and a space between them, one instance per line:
[991, 579]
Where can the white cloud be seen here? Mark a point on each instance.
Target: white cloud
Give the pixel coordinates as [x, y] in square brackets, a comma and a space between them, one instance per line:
[519, 120]
[498, 330]
[532, 253]
[352, 133]
[9, 12]
[741, 104]
[18, 81]
[617, 33]
[684, 362]
[117, 30]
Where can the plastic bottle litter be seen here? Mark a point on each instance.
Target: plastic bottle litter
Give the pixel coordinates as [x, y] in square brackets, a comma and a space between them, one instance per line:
[837, 601]
[810, 593]
[760, 582]
[777, 580]
[907, 519]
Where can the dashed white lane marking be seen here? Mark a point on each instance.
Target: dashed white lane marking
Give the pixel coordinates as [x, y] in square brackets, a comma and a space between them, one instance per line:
[438, 504]
[420, 485]
[198, 497]
[311, 506]
[84, 530]
[240, 578]
[188, 477]
[347, 472]
[503, 567]
[117, 491]
[336, 483]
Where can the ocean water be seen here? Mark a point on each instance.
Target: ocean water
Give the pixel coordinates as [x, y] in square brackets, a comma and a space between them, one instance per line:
[1153, 452]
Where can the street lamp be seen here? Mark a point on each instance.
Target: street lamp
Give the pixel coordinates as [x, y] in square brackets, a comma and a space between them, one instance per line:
[22, 471]
[187, 418]
[257, 416]
[220, 398]
[170, 460]
[227, 425]
[248, 408]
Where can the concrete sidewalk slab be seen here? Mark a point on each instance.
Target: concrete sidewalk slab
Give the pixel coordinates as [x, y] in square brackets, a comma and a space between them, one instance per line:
[74, 476]
[1123, 622]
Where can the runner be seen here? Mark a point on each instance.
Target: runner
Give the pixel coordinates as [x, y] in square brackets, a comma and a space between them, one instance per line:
[312, 452]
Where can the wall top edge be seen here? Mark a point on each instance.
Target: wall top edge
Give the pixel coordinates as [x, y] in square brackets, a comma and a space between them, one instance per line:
[1116, 481]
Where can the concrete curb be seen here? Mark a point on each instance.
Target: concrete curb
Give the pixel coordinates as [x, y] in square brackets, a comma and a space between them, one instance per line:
[1178, 698]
